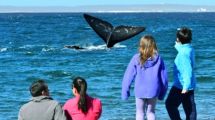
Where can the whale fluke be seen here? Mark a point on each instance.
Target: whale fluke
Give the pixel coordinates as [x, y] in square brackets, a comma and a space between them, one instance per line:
[110, 34]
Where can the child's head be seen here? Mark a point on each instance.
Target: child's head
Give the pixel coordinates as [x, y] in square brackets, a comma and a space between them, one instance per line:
[147, 48]
[184, 35]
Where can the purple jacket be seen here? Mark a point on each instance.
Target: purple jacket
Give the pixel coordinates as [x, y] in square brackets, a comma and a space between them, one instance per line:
[150, 78]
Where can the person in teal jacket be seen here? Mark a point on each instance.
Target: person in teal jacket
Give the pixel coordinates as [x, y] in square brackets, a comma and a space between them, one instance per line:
[184, 84]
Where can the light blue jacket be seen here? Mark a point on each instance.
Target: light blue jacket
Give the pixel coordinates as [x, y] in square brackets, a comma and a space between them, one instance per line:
[183, 67]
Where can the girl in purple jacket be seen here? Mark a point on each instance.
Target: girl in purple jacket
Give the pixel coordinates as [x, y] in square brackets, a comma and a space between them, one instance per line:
[148, 71]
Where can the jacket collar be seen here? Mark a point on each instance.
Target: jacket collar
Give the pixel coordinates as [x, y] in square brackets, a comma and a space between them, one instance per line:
[40, 98]
[179, 46]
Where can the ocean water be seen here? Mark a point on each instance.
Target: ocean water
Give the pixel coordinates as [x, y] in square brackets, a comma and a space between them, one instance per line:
[32, 47]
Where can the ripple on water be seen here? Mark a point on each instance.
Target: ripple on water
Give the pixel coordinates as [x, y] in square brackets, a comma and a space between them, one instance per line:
[57, 73]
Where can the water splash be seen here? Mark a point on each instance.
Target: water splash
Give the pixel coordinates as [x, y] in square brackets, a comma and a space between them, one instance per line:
[48, 49]
[3, 49]
[97, 47]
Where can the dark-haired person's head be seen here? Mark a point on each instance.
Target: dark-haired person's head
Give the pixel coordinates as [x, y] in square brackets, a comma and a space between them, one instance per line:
[80, 84]
[39, 88]
[184, 35]
[79, 88]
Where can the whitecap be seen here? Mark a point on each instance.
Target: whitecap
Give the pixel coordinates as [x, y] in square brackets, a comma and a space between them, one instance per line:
[102, 47]
[98, 47]
[3, 49]
[32, 46]
[47, 49]
[27, 46]
[118, 45]
[29, 52]
[94, 47]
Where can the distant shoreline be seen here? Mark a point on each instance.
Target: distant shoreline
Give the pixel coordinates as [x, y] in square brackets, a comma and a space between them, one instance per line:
[158, 8]
[108, 12]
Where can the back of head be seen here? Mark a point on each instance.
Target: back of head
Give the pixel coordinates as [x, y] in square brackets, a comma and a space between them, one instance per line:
[37, 88]
[81, 86]
[147, 48]
[184, 35]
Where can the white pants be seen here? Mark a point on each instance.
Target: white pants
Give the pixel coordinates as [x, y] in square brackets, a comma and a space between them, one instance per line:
[145, 107]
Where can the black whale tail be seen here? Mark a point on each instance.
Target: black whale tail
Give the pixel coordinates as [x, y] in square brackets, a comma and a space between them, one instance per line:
[112, 35]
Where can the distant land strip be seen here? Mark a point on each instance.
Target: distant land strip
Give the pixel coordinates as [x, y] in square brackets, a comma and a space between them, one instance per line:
[110, 8]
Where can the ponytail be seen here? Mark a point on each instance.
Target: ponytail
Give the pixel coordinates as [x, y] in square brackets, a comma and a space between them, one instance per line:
[81, 85]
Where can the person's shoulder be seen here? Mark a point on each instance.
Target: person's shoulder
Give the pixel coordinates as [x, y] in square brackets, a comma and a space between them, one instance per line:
[54, 102]
[187, 48]
[137, 55]
[49, 101]
[186, 52]
[71, 102]
[159, 57]
[25, 106]
[95, 100]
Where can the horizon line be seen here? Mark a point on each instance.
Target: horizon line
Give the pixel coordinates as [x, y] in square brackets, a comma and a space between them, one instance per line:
[109, 5]
[109, 8]
[44, 12]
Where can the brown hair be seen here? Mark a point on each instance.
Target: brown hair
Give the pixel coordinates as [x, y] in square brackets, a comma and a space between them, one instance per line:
[147, 48]
[81, 85]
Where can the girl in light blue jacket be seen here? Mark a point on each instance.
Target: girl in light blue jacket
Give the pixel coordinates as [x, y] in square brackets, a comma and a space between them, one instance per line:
[184, 79]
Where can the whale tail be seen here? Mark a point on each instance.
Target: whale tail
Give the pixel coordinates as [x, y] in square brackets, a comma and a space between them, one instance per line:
[112, 35]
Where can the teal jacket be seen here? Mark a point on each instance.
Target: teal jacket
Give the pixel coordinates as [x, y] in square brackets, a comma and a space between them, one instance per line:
[183, 67]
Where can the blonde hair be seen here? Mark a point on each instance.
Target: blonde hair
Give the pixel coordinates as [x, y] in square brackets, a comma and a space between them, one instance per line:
[147, 48]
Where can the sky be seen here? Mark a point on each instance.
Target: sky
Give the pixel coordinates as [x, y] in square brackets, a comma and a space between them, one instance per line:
[100, 2]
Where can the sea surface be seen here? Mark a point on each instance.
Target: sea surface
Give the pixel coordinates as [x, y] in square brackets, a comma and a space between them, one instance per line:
[32, 47]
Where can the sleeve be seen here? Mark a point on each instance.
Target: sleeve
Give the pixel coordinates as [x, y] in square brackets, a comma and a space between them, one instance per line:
[186, 71]
[59, 113]
[98, 109]
[164, 81]
[20, 115]
[129, 76]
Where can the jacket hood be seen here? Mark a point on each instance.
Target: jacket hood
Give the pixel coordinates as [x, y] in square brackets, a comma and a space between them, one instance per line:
[151, 61]
[40, 98]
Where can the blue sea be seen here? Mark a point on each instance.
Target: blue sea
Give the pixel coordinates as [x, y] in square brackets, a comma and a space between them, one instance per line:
[32, 47]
